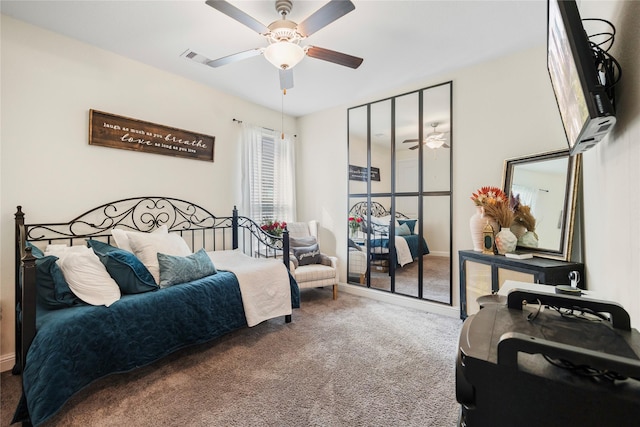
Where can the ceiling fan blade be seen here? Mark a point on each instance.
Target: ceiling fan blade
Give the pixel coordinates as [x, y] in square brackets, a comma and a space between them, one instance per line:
[414, 147]
[333, 56]
[410, 140]
[286, 78]
[240, 16]
[215, 63]
[324, 16]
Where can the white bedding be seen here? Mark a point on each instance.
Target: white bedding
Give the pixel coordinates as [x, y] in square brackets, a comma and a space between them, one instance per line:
[402, 250]
[264, 284]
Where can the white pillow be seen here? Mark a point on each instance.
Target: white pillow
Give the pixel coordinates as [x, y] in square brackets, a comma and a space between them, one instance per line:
[60, 250]
[383, 220]
[147, 245]
[122, 236]
[87, 277]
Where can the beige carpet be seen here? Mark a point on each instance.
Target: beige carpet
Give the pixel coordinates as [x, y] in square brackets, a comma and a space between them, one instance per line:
[349, 362]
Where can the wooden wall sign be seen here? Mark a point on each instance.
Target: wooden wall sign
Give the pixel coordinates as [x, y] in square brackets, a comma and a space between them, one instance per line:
[359, 173]
[109, 130]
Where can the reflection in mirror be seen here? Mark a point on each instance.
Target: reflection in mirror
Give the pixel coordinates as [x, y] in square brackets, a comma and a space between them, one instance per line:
[406, 125]
[357, 150]
[378, 226]
[437, 136]
[357, 255]
[404, 204]
[381, 147]
[544, 187]
[436, 227]
[407, 246]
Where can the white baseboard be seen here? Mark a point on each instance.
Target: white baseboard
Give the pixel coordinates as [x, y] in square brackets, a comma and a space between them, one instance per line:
[7, 361]
[428, 306]
[439, 253]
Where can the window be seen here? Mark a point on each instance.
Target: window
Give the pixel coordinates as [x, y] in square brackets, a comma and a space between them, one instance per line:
[268, 175]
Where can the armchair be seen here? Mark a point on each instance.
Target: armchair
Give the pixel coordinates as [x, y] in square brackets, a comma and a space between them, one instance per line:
[358, 261]
[313, 275]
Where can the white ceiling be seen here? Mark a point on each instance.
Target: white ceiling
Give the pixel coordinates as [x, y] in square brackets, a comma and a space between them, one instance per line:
[402, 42]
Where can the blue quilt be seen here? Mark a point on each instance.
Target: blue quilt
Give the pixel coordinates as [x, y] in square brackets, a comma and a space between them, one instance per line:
[75, 346]
[413, 241]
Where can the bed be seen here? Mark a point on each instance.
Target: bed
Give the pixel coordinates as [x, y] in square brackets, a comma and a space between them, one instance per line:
[63, 342]
[376, 227]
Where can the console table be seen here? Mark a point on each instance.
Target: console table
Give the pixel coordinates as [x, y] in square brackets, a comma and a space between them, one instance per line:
[483, 274]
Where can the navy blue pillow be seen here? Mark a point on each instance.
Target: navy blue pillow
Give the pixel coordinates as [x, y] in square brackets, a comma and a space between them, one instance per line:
[124, 267]
[411, 223]
[52, 288]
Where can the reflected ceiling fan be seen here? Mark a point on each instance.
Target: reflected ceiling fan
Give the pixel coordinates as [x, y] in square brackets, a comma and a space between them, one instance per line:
[284, 37]
[433, 140]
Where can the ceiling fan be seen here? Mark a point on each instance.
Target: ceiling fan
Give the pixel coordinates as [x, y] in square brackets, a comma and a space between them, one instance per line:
[284, 37]
[433, 139]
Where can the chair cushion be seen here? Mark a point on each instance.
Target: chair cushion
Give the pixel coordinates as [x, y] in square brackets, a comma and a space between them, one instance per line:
[314, 272]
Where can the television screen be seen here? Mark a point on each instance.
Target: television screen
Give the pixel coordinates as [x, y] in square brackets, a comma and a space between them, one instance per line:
[585, 109]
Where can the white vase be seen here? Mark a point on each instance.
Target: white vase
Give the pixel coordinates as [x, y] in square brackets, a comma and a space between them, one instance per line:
[476, 225]
[506, 241]
[528, 239]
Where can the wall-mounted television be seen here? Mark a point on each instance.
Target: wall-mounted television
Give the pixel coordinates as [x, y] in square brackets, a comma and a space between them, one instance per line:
[587, 112]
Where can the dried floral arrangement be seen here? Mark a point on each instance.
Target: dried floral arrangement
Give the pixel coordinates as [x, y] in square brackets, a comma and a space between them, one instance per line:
[522, 214]
[501, 212]
[488, 196]
[495, 205]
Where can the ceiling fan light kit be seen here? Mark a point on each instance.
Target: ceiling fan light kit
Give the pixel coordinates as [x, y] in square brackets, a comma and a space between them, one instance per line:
[284, 36]
[284, 55]
[433, 140]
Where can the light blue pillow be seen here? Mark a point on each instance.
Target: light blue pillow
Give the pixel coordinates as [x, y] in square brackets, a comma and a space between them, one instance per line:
[178, 269]
[403, 230]
[35, 251]
[124, 267]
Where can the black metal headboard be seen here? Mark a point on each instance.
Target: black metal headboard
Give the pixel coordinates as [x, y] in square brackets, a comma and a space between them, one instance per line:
[135, 214]
[362, 209]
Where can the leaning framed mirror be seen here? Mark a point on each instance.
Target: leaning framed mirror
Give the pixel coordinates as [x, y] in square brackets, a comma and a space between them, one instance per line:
[543, 190]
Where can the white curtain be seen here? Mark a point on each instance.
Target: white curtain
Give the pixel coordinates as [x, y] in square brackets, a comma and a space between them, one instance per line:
[268, 174]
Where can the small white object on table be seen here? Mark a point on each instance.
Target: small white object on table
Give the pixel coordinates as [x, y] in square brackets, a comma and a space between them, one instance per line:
[508, 285]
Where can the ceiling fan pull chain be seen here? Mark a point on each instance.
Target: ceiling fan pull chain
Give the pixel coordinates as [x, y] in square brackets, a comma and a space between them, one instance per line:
[284, 92]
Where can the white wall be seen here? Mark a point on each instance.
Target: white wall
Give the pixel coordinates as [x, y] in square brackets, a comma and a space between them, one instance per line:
[611, 173]
[49, 83]
[502, 109]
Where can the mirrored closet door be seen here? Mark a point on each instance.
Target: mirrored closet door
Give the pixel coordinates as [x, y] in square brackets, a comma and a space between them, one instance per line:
[400, 181]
